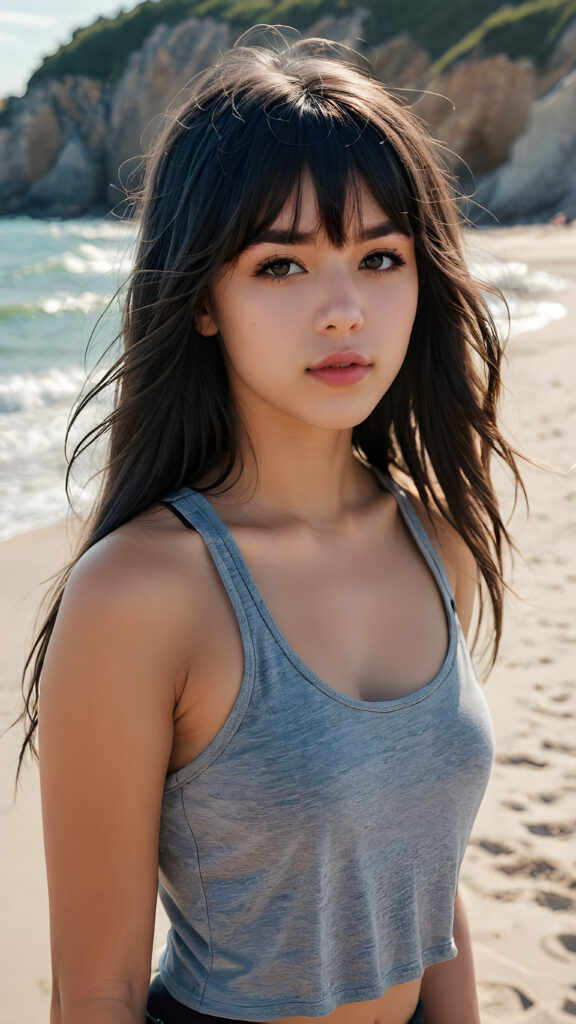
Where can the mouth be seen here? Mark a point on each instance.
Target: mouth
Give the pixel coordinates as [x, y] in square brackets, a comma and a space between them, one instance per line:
[336, 366]
[340, 360]
[340, 374]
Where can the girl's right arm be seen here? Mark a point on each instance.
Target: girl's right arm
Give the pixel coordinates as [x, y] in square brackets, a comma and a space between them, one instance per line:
[113, 672]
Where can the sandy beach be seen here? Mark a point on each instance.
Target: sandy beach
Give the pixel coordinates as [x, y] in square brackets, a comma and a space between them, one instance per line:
[519, 873]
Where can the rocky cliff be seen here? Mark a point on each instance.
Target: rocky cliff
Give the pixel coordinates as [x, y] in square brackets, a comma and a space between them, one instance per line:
[69, 146]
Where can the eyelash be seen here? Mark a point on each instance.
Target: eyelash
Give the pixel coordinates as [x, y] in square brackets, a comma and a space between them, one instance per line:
[398, 260]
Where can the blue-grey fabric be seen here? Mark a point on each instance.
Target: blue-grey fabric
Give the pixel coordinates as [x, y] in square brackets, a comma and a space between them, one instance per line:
[309, 856]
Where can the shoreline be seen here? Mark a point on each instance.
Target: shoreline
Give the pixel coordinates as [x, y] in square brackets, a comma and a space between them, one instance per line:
[518, 876]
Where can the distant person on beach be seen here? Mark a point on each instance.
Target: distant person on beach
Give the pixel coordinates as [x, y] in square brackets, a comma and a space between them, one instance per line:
[253, 688]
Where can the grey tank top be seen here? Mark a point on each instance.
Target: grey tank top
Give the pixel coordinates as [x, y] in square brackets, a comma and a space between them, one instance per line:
[309, 856]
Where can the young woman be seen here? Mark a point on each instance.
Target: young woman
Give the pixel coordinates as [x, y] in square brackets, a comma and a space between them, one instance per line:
[254, 678]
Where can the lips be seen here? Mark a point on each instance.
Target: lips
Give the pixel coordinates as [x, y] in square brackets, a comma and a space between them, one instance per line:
[340, 376]
[341, 359]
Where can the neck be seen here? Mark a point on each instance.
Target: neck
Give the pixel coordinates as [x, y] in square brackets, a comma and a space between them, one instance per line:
[317, 481]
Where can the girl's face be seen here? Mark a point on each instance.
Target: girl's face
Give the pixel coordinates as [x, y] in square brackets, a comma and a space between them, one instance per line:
[283, 308]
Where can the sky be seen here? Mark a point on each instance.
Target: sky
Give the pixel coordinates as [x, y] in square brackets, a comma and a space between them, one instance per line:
[31, 29]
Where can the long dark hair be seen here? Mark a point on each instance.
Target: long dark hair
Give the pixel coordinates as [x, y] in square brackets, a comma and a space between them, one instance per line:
[222, 169]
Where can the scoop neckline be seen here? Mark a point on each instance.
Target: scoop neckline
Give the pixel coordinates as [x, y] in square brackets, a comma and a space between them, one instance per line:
[379, 706]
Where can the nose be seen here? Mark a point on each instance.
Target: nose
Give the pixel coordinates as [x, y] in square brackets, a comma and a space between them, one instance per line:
[339, 312]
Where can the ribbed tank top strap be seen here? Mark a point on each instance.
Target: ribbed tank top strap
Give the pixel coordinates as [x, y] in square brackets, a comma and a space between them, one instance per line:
[414, 524]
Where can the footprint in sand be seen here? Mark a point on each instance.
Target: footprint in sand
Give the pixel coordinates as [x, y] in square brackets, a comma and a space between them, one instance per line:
[561, 695]
[521, 759]
[563, 748]
[503, 1001]
[534, 867]
[555, 901]
[491, 847]
[513, 805]
[553, 713]
[543, 709]
[560, 947]
[518, 866]
[555, 829]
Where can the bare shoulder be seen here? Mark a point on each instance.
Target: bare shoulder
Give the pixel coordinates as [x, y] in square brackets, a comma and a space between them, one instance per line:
[149, 558]
[454, 553]
[145, 581]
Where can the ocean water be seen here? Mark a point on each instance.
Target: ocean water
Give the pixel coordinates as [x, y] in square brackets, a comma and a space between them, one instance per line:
[57, 279]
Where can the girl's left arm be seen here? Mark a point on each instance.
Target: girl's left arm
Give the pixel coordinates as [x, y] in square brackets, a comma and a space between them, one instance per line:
[448, 990]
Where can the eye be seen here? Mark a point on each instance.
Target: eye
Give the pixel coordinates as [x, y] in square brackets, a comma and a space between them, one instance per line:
[394, 258]
[283, 262]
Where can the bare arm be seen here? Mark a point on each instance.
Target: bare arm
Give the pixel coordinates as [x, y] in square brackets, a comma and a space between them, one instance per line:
[448, 989]
[107, 694]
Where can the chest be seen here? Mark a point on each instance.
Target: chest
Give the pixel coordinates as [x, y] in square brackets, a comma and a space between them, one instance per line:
[368, 618]
[364, 614]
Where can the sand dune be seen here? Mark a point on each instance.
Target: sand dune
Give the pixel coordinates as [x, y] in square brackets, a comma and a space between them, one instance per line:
[519, 873]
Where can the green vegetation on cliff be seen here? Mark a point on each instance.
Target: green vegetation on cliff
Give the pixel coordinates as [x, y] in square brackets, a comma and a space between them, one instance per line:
[448, 31]
[528, 29]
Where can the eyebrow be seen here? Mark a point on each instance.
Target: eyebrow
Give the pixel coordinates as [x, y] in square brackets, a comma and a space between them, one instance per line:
[280, 236]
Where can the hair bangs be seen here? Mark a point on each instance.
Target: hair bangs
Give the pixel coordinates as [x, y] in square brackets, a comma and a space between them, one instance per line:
[338, 152]
[359, 155]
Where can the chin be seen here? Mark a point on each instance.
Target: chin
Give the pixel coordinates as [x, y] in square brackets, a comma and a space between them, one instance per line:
[341, 420]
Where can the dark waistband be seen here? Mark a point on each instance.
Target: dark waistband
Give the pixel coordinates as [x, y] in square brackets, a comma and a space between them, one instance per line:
[162, 1008]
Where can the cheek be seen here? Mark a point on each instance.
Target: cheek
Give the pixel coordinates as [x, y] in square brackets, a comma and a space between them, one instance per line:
[410, 285]
[252, 343]
[398, 314]
[407, 305]
[402, 316]
[255, 323]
